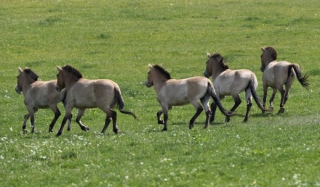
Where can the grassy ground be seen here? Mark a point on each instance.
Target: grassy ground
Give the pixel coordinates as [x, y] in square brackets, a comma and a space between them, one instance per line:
[116, 40]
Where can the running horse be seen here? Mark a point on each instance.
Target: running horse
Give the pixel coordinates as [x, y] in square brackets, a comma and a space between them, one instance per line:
[177, 92]
[279, 73]
[231, 82]
[83, 93]
[38, 94]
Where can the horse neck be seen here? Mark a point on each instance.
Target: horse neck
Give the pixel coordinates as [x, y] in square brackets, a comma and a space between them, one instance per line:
[27, 83]
[71, 81]
[216, 71]
[159, 83]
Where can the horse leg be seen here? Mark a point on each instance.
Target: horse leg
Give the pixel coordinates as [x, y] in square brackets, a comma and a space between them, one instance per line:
[198, 112]
[66, 117]
[31, 113]
[165, 121]
[205, 101]
[237, 102]
[78, 120]
[283, 95]
[57, 113]
[213, 111]
[69, 123]
[106, 124]
[274, 91]
[114, 122]
[159, 113]
[24, 126]
[249, 104]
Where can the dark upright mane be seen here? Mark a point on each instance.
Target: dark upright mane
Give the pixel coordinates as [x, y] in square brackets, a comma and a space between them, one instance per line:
[220, 59]
[162, 71]
[72, 70]
[273, 52]
[31, 74]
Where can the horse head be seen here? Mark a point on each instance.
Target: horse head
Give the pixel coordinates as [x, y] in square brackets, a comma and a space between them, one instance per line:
[268, 55]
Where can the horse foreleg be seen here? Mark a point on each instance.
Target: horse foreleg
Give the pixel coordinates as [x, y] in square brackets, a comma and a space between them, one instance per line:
[24, 126]
[69, 123]
[159, 113]
[78, 120]
[213, 111]
[62, 124]
[165, 119]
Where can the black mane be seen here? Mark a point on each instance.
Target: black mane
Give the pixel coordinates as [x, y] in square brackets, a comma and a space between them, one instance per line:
[72, 70]
[162, 71]
[273, 52]
[221, 60]
[31, 74]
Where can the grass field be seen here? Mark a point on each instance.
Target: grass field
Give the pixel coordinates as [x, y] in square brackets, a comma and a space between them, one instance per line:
[117, 40]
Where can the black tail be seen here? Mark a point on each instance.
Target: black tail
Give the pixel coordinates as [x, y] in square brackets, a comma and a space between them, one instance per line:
[217, 100]
[302, 79]
[121, 104]
[255, 95]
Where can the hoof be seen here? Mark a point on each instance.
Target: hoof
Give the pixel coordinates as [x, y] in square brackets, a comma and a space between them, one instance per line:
[160, 122]
[281, 111]
[227, 119]
[164, 129]
[116, 131]
[58, 134]
[24, 131]
[69, 129]
[84, 128]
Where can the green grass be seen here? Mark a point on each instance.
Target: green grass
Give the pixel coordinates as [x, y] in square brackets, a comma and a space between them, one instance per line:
[117, 40]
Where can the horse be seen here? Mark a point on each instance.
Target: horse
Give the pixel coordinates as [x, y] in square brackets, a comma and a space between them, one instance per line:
[83, 93]
[231, 82]
[38, 94]
[178, 92]
[279, 73]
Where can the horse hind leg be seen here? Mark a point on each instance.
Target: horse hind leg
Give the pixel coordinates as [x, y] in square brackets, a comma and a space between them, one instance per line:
[249, 104]
[57, 114]
[237, 102]
[106, 124]
[195, 116]
[205, 101]
[78, 120]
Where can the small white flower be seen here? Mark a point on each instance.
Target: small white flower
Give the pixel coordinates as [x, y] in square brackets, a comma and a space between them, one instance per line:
[1, 157]
[127, 177]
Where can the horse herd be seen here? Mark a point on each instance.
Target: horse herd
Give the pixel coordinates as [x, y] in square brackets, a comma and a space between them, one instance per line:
[77, 92]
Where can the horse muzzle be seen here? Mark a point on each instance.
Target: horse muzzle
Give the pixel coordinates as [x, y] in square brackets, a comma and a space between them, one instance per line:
[57, 88]
[262, 69]
[148, 84]
[205, 73]
[18, 90]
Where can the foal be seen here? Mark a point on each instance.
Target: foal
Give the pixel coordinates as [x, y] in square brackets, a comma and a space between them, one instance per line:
[38, 94]
[177, 92]
[231, 82]
[276, 74]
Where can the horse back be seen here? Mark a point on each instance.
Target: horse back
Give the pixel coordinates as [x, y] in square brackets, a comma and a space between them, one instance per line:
[276, 73]
[181, 91]
[232, 82]
[92, 93]
[42, 93]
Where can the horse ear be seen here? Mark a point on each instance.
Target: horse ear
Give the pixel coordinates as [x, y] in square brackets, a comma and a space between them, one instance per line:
[208, 54]
[150, 66]
[20, 70]
[263, 49]
[58, 68]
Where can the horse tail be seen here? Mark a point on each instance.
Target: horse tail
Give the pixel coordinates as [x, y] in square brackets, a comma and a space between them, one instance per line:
[216, 99]
[302, 79]
[254, 93]
[120, 102]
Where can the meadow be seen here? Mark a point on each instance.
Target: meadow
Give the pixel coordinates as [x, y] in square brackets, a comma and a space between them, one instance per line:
[117, 39]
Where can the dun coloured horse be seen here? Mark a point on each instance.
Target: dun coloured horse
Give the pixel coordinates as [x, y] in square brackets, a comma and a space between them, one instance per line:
[276, 74]
[231, 82]
[83, 93]
[173, 92]
[38, 94]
